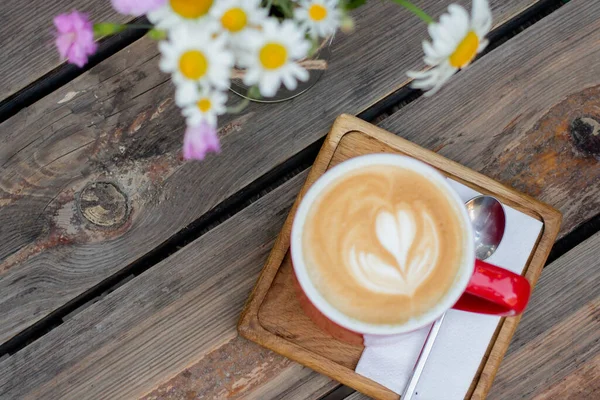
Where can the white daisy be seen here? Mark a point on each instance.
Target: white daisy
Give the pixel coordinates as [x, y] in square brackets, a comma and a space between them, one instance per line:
[318, 17]
[176, 12]
[237, 16]
[195, 56]
[205, 108]
[456, 40]
[270, 54]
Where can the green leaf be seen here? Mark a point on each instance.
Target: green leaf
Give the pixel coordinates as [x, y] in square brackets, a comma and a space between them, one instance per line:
[352, 4]
[254, 93]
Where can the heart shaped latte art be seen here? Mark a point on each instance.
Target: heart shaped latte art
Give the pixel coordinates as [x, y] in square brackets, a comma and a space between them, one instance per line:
[410, 236]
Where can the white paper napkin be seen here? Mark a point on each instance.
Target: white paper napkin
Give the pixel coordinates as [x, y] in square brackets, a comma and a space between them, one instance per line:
[463, 338]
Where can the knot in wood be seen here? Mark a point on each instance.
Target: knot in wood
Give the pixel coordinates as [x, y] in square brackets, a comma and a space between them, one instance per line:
[103, 204]
[585, 132]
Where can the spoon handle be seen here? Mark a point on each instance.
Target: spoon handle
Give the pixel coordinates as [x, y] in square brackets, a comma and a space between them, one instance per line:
[409, 390]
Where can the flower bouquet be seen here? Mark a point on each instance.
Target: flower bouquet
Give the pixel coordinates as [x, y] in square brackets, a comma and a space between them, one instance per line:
[204, 44]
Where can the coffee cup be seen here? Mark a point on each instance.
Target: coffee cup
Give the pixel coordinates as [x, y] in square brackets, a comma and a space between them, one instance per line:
[381, 244]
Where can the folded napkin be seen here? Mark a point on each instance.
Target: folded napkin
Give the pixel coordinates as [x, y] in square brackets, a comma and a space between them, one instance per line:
[464, 337]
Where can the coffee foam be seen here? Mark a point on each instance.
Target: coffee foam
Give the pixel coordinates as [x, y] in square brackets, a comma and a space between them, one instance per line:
[412, 238]
[383, 244]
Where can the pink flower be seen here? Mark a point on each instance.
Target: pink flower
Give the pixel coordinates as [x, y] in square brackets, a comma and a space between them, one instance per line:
[199, 141]
[136, 7]
[75, 40]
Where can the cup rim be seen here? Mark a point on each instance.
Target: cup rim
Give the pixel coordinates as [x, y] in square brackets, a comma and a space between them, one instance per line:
[315, 297]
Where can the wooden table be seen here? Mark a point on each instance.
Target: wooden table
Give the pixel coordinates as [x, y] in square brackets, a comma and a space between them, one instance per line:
[123, 269]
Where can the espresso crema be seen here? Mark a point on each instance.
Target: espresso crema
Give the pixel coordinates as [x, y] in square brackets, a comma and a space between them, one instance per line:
[383, 244]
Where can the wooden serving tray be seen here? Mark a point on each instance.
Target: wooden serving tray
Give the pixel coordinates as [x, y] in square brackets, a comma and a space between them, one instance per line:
[273, 317]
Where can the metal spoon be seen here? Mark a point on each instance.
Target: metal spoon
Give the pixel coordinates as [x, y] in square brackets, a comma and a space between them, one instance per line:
[489, 221]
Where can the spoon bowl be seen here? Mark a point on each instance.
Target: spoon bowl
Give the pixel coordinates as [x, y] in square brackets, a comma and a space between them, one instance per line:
[489, 221]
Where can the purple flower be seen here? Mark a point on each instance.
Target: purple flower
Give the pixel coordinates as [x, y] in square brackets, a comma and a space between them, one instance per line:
[75, 40]
[199, 141]
[136, 7]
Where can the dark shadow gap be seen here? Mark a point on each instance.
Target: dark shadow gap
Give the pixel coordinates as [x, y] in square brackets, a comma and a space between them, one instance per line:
[579, 235]
[248, 195]
[340, 392]
[65, 73]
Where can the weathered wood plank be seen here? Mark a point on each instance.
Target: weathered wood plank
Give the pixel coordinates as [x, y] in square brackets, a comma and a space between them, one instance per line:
[582, 383]
[557, 344]
[27, 40]
[244, 370]
[185, 309]
[115, 135]
[526, 114]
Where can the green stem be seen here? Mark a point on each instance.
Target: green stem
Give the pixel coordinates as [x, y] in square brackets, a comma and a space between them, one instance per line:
[252, 94]
[157, 34]
[415, 10]
[108, 28]
[239, 107]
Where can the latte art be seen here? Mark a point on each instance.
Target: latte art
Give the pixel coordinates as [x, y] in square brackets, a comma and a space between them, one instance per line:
[415, 252]
[383, 244]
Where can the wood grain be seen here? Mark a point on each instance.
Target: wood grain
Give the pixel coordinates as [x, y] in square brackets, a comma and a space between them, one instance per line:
[555, 352]
[27, 37]
[182, 311]
[526, 114]
[281, 314]
[273, 317]
[117, 125]
[243, 370]
[556, 349]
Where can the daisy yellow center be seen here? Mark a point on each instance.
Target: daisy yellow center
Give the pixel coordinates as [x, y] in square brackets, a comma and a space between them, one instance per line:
[234, 19]
[193, 64]
[204, 105]
[191, 8]
[317, 12]
[465, 51]
[273, 55]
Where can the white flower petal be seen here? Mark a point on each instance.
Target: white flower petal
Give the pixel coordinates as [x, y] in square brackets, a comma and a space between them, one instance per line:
[445, 74]
[186, 93]
[460, 16]
[252, 76]
[269, 85]
[300, 73]
[289, 81]
[425, 82]
[482, 45]
[481, 18]
[451, 29]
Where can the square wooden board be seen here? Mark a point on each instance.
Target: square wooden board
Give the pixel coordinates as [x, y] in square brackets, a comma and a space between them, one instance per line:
[273, 317]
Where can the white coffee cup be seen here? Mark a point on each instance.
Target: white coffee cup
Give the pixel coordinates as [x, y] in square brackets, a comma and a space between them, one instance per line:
[469, 271]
